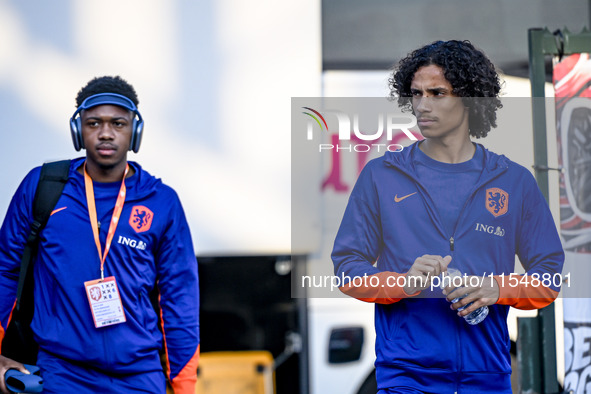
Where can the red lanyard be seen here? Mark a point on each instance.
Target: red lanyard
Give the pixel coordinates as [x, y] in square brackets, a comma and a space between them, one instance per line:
[114, 218]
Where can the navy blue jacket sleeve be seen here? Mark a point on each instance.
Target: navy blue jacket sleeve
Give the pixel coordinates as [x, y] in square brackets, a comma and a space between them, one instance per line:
[358, 245]
[13, 235]
[540, 252]
[538, 245]
[179, 300]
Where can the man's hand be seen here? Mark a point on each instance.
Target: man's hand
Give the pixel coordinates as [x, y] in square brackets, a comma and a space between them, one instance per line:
[481, 291]
[420, 275]
[5, 365]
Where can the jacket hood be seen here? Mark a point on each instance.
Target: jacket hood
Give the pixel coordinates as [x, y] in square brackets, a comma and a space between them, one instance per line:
[403, 160]
[139, 185]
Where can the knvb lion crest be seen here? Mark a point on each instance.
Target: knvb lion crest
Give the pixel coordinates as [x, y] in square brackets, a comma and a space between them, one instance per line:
[141, 218]
[497, 201]
[95, 293]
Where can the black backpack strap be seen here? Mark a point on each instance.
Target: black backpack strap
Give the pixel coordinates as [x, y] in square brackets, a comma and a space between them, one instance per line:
[52, 181]
[19, 343]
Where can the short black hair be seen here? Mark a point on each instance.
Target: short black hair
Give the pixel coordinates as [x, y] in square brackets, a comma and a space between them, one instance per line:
[107, 84]
[470, 73]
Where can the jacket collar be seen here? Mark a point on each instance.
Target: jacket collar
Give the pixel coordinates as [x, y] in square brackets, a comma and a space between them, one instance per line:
[494, 164]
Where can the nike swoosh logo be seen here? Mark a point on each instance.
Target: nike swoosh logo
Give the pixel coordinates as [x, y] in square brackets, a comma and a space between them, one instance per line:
[57, 210]
[398, 199]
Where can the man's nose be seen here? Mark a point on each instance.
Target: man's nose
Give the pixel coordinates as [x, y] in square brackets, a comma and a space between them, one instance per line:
[106, 131]
[423, 104]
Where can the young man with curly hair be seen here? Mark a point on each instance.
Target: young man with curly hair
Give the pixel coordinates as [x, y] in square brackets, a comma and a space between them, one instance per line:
[446, 202]
[118, 234]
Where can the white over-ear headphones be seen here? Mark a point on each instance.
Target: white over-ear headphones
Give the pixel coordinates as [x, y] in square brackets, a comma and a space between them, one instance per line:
[113, 99]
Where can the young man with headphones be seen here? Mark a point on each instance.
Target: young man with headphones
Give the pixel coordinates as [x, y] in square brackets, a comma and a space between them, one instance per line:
[116, 235]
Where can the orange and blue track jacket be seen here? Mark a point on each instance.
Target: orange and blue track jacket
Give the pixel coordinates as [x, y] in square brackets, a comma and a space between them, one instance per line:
[420, 342]
[151, 248]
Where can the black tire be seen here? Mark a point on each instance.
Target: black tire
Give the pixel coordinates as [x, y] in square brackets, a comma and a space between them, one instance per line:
[370, 385]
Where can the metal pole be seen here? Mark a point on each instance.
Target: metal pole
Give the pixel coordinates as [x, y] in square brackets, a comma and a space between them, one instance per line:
[528, 356]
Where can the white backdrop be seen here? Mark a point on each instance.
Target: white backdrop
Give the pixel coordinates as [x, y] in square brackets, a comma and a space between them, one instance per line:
[214, 79]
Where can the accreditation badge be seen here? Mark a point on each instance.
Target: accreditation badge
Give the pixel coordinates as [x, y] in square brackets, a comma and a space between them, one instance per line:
[105, 302]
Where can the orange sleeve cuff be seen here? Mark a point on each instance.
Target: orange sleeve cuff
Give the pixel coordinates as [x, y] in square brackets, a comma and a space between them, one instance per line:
[186, 380]
[382, 288]
[2, 329]
[522, 294]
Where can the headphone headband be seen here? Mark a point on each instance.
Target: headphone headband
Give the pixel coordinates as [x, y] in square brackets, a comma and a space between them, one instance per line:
[106, 99]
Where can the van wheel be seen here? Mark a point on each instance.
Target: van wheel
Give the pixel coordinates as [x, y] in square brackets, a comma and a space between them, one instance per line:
[369, 386]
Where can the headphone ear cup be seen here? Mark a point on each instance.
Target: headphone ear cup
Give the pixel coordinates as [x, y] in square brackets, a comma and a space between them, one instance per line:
[79, 134]
[76, 130]
[133, 135]
[136, 136]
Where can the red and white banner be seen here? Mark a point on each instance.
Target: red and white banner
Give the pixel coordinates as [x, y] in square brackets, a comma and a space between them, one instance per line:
[572, 84]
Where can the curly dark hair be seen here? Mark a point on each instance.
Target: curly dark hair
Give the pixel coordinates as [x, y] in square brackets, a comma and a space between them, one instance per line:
[470, 73]
[107, 84]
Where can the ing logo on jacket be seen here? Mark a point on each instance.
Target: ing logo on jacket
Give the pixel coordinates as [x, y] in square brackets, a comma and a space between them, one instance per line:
[497, 201]
[141, 218]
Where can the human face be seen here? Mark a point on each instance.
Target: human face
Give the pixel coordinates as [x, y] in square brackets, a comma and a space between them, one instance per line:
[440, 114]
[106, 131]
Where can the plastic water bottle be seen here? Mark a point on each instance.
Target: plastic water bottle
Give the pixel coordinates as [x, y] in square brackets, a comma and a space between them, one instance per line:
[476, 316]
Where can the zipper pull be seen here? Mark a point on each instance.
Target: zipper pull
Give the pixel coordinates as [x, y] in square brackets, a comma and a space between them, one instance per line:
[451, 243]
